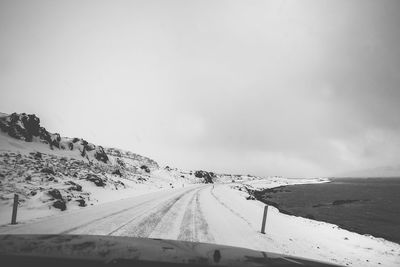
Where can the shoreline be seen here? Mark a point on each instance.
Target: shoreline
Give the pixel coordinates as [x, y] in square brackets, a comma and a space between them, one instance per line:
[262, 195]
[257, 192]
[299, 236]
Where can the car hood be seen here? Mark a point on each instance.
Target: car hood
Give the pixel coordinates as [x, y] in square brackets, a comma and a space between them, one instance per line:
[114, 249]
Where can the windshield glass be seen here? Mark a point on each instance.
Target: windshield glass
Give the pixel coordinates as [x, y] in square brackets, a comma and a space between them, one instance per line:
[264, 125]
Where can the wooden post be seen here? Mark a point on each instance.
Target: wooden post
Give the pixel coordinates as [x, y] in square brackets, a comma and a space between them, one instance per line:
[264, 219]
[14, 211]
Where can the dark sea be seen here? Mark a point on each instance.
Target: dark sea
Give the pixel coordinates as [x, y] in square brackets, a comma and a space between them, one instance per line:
[363, 205]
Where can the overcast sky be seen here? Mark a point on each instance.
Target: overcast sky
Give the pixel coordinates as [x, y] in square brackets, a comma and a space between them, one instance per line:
[294, 88]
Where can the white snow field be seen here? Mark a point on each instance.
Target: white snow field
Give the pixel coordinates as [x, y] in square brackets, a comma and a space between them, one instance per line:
[217, 214]
[130, 195]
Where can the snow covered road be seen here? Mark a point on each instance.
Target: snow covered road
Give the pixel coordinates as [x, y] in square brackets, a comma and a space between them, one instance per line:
[182, 214]
[136, 216]
[217, 214]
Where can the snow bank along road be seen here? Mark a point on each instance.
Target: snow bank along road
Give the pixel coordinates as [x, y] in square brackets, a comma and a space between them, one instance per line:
[217, 214]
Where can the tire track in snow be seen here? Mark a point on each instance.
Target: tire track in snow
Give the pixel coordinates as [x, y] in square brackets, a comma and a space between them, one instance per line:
[109, 216]
[144, 225]
[186, 229]
[203, 225]
[261, 238]
[104, 217]
[230, 209]
[194, 227]
[169, 226]
[107, 225]
[229, 227]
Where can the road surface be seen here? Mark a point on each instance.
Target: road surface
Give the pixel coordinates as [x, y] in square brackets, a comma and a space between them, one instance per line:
[217, 214]
[194, 213]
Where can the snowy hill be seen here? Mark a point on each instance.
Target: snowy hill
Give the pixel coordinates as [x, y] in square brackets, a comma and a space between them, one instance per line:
[57, 178]
[26, 127]
[49, 171]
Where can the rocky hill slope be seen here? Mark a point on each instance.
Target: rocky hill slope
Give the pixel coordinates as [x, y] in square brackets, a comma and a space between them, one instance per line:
[26, 127]
[50, 171]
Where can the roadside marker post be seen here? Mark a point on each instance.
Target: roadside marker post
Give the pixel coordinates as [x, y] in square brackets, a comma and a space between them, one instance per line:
[264, 219]
[14, 211]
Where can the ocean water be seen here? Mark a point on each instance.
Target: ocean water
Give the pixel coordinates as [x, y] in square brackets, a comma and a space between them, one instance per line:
[363, 205]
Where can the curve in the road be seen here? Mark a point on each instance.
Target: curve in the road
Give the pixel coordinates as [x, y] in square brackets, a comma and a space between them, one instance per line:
[112, 224]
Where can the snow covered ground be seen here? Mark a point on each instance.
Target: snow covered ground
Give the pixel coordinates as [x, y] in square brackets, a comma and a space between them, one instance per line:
[42, 177]
[130, 195]
[218, 214]
[272, 182]
[307, 238]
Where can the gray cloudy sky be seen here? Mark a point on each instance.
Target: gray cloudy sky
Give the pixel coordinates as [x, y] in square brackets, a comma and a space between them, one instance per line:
[296, 88]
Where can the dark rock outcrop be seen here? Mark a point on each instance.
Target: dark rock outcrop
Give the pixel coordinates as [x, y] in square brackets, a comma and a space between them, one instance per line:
[22, 126]
[74, 186]
[82, 202]
[101, 155]
[117, 172]
[27, 126]
[38, 155]
[48, 170]
[96, 180]
[60, 204]
[55, 193]
[145, 168]
[121, 162]
[207, 176]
